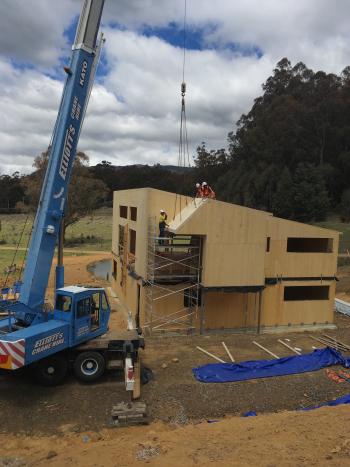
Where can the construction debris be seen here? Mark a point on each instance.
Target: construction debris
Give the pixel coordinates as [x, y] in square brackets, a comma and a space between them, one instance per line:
[266, 350]
[330, 343]
[132, 413]
[337, 341]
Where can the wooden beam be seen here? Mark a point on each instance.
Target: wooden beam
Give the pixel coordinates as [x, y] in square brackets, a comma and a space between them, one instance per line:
[328, 343]
[266, 350]
[210, 354]
[228, 352]
[338, 342]
[289, 347]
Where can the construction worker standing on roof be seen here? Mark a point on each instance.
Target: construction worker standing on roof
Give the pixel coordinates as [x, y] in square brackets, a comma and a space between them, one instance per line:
[207, 191]
[162, 225]
[198, 193]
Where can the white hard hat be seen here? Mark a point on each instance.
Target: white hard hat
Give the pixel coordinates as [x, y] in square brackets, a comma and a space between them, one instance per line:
[198, 185]
[204, 183]
[162, 210]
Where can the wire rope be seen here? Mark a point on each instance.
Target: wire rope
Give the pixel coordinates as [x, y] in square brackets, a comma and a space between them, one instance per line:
[183, 151]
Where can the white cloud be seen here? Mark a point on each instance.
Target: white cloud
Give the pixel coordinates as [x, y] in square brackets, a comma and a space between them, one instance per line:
[133, 116]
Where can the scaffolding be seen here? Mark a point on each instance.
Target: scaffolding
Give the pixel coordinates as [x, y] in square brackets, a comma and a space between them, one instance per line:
[172, 285]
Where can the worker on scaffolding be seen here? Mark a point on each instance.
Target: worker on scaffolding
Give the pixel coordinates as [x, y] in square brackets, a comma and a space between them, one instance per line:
[207, 191]
[198, 193]
[162, 226]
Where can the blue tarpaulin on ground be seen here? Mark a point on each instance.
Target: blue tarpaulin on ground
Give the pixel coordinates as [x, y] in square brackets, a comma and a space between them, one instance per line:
[341, 400]
[231, 372]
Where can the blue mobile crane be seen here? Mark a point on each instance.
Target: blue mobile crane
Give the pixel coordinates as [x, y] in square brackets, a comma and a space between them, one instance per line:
[75, 333]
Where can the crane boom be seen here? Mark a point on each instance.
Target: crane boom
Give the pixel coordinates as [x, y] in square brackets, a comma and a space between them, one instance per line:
[62, 154]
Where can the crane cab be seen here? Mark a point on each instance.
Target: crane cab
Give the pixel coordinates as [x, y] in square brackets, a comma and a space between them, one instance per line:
[86, 309]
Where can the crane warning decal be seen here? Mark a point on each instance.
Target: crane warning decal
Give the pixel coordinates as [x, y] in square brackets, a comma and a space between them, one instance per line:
[48, 343]
[12, 354]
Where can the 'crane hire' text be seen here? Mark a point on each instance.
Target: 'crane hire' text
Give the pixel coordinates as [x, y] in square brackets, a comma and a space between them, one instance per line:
[68, 143]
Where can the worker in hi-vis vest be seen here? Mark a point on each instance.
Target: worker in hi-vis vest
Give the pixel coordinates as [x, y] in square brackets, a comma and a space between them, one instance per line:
[207, 191]
[198, 193]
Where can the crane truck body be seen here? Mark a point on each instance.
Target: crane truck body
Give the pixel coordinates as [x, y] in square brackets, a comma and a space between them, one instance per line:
[75, 332]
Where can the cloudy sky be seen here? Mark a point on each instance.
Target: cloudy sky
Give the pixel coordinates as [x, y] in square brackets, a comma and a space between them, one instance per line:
[134, 112]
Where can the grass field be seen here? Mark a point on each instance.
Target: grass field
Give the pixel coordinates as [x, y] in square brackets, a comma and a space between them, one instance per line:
[90, 233]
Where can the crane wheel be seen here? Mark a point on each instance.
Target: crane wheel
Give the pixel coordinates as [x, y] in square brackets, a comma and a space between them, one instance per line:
[89, 366]
[52, 370]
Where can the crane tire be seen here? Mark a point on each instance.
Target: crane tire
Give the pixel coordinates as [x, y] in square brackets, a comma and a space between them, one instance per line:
[51, 371]
[89, 366]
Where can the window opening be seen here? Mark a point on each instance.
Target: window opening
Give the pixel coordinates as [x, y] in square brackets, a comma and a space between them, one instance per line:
[309, 245]
[104, 302]
[268, 244]
[132, 246]
[95, 310]
[83, 307]
[121, 239]
[133, 214]
[123, 212]
[115, 269]
[63, 303]
[313, 292]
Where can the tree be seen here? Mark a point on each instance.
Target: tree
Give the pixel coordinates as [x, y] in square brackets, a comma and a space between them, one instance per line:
[344, 207]
[302, 117]
[282, 204]
[11, 191]
[85, 192]
[311, 200]
[210, 164]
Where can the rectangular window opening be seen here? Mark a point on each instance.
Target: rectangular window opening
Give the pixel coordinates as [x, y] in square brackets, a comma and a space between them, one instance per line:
[309, 245]
[268, 244]
[123, 212]
[132, 245]
[115, 269]
[121, 239]
[133, 214]
[302, 292]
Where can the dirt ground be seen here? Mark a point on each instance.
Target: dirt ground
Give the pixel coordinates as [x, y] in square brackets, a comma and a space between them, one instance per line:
[319, 438]
[193, 423]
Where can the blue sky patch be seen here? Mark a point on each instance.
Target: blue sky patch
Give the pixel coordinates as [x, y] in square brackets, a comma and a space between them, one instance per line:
[174, 35]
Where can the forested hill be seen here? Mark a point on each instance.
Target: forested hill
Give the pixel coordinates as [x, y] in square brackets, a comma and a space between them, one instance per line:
[290, 154]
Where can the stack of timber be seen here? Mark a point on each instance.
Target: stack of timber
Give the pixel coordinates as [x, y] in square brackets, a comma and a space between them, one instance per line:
[132, 413]
[331, 342]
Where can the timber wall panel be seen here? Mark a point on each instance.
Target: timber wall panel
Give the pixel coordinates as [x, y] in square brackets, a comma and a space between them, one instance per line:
[279, 262]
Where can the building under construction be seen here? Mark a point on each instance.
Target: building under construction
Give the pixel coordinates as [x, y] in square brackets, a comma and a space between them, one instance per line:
[222, 267]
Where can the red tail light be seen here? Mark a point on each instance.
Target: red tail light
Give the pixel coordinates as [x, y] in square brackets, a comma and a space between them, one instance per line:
[130, 373]
[3, 359]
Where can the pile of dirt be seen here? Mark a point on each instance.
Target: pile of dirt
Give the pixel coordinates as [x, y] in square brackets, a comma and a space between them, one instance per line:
[319, 438]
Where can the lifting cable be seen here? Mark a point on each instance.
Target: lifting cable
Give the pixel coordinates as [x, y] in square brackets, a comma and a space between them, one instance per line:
[9, 271]
[26, 251]
[184, 155]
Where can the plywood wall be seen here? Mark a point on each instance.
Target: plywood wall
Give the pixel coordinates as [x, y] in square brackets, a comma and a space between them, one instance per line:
[277, 312]
[235, 238]
[230, 310]
[279, 262]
